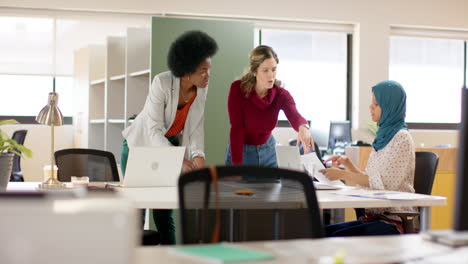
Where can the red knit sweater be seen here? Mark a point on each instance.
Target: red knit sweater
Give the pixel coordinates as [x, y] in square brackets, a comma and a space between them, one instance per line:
[253, 118]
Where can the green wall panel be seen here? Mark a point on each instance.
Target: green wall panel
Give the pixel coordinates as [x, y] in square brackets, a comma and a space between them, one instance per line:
[235, 41]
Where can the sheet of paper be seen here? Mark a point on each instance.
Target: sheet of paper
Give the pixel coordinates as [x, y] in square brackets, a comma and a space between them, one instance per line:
[313, 166]
[382, 194]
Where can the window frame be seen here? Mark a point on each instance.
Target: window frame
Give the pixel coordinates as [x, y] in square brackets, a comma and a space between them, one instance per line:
[443, 126]
[349, 74]
[440, 34]
[31, 120]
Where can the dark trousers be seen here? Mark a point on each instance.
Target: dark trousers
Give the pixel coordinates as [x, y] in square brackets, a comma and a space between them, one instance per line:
[163, 218]
[358, 228]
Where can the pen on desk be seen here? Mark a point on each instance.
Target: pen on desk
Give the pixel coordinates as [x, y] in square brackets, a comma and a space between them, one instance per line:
[385, 193]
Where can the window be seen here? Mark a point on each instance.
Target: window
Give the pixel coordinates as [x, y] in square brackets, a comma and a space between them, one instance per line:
[36, 88]
[314, 69]
[27, 54]
[311, 69]
[432, 72]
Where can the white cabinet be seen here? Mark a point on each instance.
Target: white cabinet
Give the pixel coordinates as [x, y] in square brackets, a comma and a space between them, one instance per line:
[111, 85]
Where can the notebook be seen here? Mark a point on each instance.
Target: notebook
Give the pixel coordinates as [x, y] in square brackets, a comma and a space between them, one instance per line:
[153, 166]
[223, 253]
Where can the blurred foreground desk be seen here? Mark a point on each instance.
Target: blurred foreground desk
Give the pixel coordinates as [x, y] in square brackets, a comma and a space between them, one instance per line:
[377, 249]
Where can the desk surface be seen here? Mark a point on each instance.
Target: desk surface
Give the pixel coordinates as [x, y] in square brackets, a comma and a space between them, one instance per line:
[166, 198]
[383, 249]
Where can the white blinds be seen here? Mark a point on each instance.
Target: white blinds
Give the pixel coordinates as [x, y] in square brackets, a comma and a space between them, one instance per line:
[26, 46]
[26, 39]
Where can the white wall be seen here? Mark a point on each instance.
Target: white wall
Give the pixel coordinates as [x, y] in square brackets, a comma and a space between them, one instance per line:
[372, 20]
[38, 140]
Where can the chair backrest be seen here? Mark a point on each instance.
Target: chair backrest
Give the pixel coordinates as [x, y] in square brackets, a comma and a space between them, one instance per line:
[293, 142]
[247, 210]
[424, 174]
[98, 165]
[19, 136]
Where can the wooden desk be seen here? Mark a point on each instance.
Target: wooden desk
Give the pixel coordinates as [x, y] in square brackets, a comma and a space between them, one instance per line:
[384, 249]
[444, 182]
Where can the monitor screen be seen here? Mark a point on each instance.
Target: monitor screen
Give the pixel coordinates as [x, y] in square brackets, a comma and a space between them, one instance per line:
[340, 134]
[461, 202]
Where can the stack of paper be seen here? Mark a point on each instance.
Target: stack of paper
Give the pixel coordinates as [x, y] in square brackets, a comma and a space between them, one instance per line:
[382, 194]
[313, 166]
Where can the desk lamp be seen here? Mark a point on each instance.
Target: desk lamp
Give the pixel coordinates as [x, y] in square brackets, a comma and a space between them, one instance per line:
[50, 115]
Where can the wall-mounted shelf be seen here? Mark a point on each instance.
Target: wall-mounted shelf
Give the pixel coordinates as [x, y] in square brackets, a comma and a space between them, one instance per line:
[140, 73]
[99, 81]
[117, 121]
[97, 121]
[117, 77]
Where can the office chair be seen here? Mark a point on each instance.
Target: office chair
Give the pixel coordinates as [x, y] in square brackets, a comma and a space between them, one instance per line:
[223, 204]
[424, 175]
[99, 166]
[16, 173]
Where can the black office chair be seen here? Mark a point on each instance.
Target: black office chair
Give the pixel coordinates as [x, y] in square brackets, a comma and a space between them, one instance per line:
[98, 165]
[424, 174]
[425, 171]
[16, 173]
[225, 204]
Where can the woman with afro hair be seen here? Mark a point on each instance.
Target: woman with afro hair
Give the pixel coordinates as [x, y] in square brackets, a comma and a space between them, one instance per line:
[173, 114]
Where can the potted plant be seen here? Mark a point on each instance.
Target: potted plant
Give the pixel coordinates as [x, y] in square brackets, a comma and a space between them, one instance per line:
[9, 148]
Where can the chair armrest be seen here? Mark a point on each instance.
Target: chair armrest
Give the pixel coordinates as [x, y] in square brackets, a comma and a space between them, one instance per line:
[406, 214]
[408, 218]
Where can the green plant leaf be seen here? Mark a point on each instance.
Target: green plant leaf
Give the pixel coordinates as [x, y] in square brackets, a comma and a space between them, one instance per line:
[8, 122]
[10, 145]
[372, 127]
[27, 152]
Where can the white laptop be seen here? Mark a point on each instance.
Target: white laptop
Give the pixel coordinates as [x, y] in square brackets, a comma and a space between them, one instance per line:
[153, 166]
[288, 157]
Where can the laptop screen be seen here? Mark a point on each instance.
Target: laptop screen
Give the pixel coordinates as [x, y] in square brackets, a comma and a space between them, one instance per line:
[153, 166]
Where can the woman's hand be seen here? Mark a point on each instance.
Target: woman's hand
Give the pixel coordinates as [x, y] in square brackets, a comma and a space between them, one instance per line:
[304, 137]
[199, 162]
[187, 166]
[338, 160]
[334, 174]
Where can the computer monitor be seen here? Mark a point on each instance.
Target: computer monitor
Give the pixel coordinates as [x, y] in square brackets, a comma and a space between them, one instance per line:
[461, 201]
[340, 134]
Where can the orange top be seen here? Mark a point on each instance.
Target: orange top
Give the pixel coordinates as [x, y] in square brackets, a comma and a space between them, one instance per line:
[180, 117]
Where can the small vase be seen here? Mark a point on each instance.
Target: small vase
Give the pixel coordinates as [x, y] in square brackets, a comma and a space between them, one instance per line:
[6, 165]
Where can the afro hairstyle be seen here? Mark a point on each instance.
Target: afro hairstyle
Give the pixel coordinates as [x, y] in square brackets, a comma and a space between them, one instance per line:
[188, 51]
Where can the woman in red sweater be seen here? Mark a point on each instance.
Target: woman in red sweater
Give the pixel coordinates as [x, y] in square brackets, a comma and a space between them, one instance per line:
[254, 103]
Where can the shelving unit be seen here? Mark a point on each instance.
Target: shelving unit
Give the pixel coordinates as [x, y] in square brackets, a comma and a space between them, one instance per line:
[137, 70]
[113, 82]
[96, 127]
